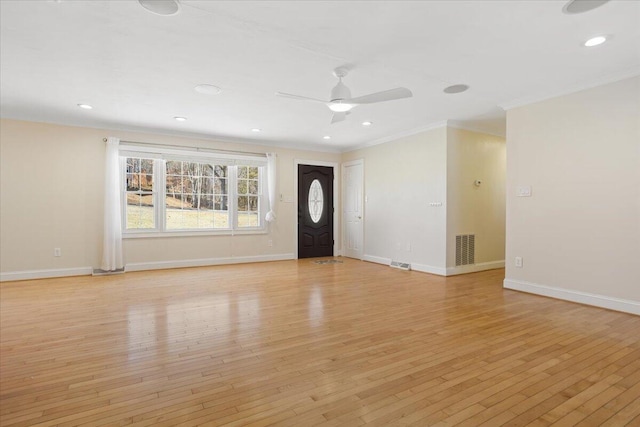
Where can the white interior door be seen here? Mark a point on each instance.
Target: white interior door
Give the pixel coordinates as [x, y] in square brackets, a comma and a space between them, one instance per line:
[352, 211]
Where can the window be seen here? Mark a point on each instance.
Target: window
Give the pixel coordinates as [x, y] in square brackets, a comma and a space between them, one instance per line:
[139, 194]
[199, 194]
[248, 197]
[196, 196]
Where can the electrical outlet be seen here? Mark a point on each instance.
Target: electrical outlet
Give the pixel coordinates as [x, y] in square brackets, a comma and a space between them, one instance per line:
[270, 242]
[519, 261]
[57, 252]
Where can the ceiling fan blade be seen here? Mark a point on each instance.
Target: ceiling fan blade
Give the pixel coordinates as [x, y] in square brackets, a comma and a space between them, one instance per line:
[299, 98]
[385, 95]
[338, 117]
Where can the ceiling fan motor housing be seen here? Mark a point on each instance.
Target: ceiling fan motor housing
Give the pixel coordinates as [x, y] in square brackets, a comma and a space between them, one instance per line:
[340, 92]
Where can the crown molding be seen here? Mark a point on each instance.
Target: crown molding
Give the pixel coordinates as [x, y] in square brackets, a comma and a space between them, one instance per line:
[609, 78]
[465, 126]
[396, 136]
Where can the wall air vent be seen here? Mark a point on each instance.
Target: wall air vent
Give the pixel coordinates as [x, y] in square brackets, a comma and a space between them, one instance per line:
[400, 265]
[465, 249]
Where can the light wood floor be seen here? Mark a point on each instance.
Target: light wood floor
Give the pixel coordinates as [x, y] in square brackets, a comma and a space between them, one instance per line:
[295, 343]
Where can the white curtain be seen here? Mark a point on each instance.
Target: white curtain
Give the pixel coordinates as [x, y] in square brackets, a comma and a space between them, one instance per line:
[271, 186]
[112, 245]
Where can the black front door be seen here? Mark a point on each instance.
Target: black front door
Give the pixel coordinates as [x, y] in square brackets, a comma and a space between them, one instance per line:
[315, 211]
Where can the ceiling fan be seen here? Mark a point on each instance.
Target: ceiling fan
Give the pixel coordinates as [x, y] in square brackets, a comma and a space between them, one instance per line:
[341, 102]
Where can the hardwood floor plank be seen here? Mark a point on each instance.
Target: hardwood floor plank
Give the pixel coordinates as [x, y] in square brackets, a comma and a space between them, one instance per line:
[295, 343]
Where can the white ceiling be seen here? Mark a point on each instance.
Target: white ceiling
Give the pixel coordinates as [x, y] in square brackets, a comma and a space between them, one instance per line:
[138, 70]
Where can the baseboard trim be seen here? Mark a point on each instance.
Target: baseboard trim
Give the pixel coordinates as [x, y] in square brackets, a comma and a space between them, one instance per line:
[377, 259]
[204, 262]
[602, 301]
[423, 268]
[45, 274]
[473, 268]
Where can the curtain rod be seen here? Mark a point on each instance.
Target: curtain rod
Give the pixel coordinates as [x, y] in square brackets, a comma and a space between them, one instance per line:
[182, 147]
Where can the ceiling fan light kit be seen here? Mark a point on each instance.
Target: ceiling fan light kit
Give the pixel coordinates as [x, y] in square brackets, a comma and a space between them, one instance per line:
[340, 107]
[341, 102]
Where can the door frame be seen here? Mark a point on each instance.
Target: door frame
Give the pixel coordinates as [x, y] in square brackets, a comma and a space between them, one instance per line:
[342, 193]
[336, 202]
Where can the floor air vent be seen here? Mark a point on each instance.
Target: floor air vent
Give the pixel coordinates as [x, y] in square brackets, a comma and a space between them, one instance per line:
[465, 249]
[400, 265]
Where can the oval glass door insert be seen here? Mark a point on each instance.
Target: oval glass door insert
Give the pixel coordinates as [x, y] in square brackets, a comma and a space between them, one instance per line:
[316, 201]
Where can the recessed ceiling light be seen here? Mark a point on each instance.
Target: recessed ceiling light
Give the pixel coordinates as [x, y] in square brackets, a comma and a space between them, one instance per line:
[256, 130]
[180, 119]
[595, 41]
[326, 137]
[208, 89]
[85, 106]
[456, 89]
[161, 7]
[581, 6]
[367, 123]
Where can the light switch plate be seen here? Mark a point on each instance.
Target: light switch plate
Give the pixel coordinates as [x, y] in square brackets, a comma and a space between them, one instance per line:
[524, 191]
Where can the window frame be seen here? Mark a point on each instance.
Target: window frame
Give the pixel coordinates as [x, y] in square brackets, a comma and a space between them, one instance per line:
[160, 157]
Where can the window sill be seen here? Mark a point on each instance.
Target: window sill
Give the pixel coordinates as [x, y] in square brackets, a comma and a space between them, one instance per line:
[161, 234]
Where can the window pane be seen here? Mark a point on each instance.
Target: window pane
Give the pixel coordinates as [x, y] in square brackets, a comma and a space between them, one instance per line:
[189, 218]
[131, 165]
[242, 172]
[174, 168]
[140, 211]
[206, 185]
[146, 166]
[221, 203]
[133, 216]
[243, 203]
[253, 203]
[173, 201]
[207, 170]
[174, 219]
[174, 184]
[188, 184]
[253, 173]
[190, 169]
[206, 203]
[242, 186]
[220, 171]
[248, 219]
[133, 182]
[253, 187]
[205, 219]
[220, 186]
[203, 186]
[146, 182]
[221, 219]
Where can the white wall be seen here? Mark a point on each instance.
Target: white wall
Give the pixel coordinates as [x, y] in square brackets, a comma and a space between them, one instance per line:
[401, 178]
[579, 233]
[472, 209]
[51, 196]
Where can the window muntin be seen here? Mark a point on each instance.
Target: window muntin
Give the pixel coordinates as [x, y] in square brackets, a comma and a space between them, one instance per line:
[196, 196]
[139, 194]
